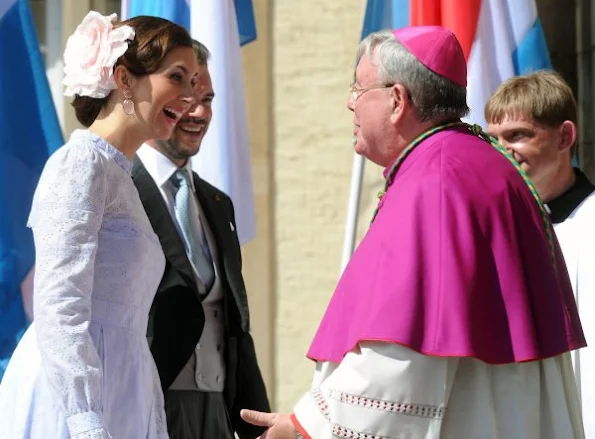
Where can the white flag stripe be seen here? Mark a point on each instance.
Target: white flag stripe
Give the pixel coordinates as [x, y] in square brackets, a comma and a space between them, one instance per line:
[124, 10]
[224, 159]
[522, 17]
[502, 26]
[490, 59]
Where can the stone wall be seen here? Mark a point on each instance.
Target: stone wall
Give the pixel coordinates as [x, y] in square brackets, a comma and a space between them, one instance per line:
[314, 48]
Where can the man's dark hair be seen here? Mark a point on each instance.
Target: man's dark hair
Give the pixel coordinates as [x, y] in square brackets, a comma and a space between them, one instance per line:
[202, 53]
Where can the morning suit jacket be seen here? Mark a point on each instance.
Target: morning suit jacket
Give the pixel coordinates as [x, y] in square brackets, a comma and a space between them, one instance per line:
[176, 319]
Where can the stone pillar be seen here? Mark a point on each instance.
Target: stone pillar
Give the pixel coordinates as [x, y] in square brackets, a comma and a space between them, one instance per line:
[559, 26]
[570, 39]
[585, 38]
[73, 12]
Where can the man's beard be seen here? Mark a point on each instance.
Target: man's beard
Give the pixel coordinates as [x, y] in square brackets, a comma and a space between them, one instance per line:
[173, 151]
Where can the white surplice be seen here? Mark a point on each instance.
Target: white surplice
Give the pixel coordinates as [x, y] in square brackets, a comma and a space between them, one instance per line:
[387, 391]
[577, 240]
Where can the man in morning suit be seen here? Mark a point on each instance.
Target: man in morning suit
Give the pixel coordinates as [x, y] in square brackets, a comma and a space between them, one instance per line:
[199, 321]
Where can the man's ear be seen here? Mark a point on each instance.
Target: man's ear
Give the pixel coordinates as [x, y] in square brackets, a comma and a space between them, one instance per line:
[400, 101]
[567, 135]
[124, 79]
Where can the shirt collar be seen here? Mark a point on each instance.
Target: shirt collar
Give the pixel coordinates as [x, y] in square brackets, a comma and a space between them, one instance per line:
[160, 167]
[562, 206]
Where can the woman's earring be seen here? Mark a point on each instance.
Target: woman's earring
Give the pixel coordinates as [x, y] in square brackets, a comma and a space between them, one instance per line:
[128, 104]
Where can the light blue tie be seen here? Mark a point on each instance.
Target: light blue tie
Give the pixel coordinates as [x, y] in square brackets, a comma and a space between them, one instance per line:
[196, 245]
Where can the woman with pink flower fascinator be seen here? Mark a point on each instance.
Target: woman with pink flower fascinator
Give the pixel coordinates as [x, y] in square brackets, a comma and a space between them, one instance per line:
[83, 369]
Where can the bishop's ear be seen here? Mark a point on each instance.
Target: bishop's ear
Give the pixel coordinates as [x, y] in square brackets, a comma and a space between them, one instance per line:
[400, 101]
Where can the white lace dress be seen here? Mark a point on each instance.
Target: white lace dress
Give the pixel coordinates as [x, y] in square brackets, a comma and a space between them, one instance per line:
[84, 370]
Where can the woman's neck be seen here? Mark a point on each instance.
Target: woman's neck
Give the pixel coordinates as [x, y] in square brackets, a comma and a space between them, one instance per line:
[121, 134]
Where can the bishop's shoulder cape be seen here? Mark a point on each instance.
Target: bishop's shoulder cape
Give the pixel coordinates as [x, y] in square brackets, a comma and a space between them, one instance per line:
[456, 264]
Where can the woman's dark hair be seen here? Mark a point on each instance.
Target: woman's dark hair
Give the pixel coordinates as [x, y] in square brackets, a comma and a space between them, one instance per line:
[153, 40]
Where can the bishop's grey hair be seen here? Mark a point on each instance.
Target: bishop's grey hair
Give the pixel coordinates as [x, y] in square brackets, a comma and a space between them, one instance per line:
[433, 96]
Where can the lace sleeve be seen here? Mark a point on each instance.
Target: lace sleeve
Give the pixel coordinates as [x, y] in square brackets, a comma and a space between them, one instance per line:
[66, 215]
[355, 400]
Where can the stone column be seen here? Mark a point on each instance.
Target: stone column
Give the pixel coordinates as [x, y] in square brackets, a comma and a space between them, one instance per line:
[73, 12]
[586, 93]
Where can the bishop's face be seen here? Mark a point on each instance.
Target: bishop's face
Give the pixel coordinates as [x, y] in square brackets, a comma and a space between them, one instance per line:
[370, 103]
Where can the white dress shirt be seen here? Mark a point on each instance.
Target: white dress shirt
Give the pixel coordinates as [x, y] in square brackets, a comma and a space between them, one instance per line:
[205, 370]
[161, 170]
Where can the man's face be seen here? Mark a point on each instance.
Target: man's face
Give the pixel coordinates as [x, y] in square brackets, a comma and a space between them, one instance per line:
[193, 125]
[371, 109]
[537, 148]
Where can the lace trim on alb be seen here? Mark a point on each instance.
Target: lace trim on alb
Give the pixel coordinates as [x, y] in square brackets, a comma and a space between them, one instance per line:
[420, 410]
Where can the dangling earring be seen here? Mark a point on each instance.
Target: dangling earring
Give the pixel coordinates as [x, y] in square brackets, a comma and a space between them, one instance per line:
[128, 104]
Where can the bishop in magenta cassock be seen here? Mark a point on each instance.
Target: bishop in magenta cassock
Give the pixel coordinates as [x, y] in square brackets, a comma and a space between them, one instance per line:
[455, 316]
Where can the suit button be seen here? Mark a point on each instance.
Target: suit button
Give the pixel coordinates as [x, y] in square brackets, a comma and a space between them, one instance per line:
[200, 377]
[215, 314]
[197, 346]
[218, 379]
[218, 348]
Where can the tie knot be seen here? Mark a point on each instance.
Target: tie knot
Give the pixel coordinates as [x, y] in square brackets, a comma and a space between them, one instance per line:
[180, 178]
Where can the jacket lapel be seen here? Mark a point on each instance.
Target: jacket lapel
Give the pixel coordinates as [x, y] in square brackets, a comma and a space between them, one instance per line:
[221, 227]
[160, 219]
[212, 215]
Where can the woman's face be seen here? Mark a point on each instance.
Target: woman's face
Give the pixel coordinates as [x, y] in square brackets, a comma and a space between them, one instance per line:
[162, 97]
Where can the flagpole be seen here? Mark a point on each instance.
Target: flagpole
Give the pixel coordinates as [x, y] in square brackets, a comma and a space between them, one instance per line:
[355, 190]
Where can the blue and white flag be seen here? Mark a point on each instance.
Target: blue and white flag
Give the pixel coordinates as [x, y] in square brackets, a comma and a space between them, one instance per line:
[500, 38]
[224, 158]
[29, 133]
[385, 14]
